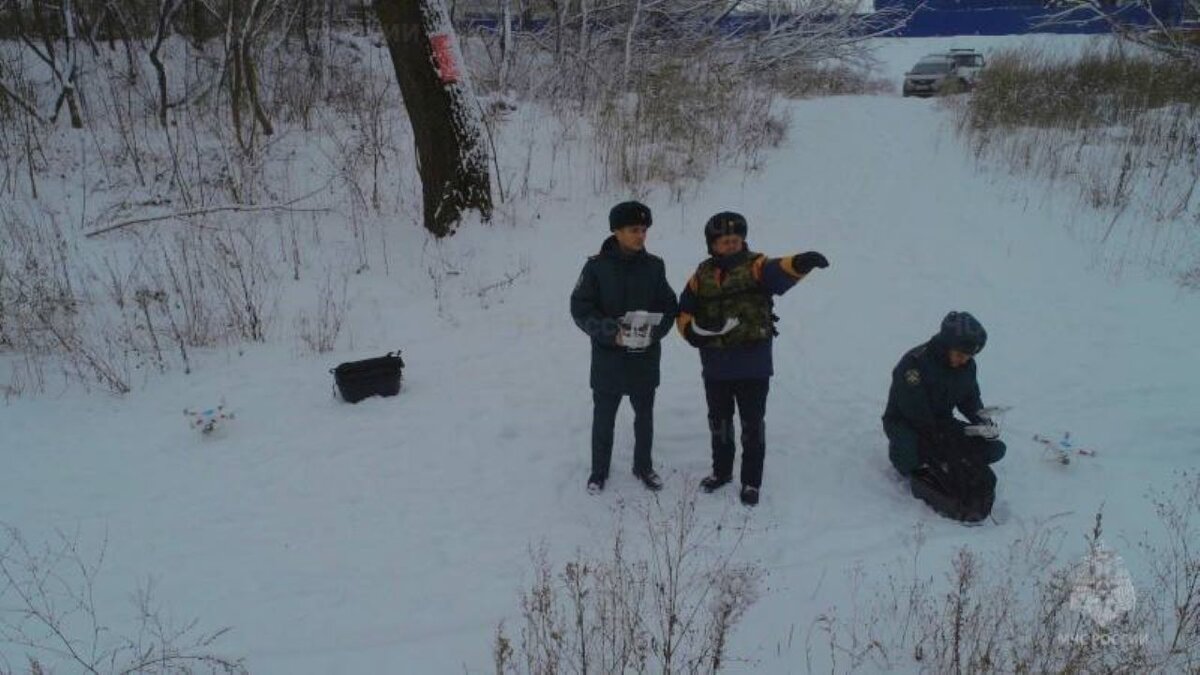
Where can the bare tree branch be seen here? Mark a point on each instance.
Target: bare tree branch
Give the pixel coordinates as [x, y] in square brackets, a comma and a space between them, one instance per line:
[238, 208]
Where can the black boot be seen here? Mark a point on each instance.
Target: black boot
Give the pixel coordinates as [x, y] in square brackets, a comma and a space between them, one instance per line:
[650, 479]
[749, 495]
[711, 483]
[595, 484]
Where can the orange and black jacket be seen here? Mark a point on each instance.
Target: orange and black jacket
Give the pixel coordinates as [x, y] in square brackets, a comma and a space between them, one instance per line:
[773, 276]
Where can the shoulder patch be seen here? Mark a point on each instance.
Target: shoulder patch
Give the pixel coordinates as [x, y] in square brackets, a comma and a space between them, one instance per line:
[912, 376]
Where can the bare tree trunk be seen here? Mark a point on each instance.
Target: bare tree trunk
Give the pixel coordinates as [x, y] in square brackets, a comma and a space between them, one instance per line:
[64, 73]
[241, 35]
[305, 19]
[233, 55]
[561, 8]
[250, 33]
[118, 23]
[316, 20]
[251, 76]
[451, 156]
[584, 47]
[71, 50]
[505, 42]
[166, 12]
[633, 22]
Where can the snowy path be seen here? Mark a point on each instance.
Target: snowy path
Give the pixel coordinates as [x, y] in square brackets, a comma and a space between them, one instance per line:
[391, 536]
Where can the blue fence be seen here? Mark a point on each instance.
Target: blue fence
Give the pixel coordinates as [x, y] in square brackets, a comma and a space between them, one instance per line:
[1009, 17]
[932, 18]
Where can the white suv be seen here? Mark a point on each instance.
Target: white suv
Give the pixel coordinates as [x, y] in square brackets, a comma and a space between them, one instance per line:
[967, 65]
[955, 70]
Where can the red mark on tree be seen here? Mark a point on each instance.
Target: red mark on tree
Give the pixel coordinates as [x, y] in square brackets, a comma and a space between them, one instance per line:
[443, 57]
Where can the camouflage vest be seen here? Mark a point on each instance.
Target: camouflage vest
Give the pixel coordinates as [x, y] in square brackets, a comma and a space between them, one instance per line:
[737, 295]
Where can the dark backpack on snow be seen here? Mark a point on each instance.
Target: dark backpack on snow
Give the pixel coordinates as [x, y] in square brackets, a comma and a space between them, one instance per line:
[957, 488]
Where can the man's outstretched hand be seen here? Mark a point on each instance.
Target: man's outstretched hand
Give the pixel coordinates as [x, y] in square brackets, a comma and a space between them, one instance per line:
[805, 262]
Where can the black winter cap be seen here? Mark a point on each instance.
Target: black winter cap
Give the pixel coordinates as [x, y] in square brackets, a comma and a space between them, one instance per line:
[724, 223]
[629, 213]
[963, 332]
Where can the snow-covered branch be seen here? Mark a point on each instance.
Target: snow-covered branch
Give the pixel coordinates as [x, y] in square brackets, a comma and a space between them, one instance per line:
[1150, 23]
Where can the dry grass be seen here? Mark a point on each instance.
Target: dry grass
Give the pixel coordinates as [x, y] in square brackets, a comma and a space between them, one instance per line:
[1120, 127]
[1102, 87]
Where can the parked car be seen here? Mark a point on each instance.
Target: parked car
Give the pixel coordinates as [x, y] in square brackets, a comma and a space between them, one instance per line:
[955, 70]
[931, 75]
[968, 63]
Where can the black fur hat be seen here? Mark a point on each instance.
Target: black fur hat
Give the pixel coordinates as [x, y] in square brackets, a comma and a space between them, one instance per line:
[724, 223]
[629, 213]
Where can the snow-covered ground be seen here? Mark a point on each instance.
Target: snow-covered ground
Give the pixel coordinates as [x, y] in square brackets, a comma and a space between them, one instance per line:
[393, 535]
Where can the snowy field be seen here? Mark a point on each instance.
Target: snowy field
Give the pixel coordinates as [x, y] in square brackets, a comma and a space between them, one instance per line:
[392, 536]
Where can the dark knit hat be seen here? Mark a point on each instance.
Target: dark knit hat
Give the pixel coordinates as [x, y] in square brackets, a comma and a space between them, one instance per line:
[629, 213]
[722, 224]
[962, 332]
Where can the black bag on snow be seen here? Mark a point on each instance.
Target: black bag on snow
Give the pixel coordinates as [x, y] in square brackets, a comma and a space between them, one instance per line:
[357, 380]
[958, 486]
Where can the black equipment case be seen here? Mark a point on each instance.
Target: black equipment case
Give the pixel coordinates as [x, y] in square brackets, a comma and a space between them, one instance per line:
[356, 380]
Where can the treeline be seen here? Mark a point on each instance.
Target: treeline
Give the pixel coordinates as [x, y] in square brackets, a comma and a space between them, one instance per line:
[115, 20]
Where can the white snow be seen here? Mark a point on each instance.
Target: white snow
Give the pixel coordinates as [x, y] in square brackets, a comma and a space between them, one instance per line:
[393, 535]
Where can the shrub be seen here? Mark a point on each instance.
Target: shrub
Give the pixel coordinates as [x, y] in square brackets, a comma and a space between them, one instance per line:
[51, 615]
[670, 610]
[1027, 611]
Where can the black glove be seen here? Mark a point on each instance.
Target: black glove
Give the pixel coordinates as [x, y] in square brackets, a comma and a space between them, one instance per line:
[805, 262]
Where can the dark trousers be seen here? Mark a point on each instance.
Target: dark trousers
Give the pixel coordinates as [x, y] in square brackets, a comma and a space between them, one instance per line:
[604, 417]
[750, 399]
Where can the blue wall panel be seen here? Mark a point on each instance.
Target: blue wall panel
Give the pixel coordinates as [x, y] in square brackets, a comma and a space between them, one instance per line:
[938, 18]
[992, 19]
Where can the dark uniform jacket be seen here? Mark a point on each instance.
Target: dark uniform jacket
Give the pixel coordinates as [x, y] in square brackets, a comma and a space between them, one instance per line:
[611, 284]
[925, 391]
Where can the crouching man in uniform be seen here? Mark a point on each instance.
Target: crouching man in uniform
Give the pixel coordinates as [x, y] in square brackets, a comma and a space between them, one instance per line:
[945, 458]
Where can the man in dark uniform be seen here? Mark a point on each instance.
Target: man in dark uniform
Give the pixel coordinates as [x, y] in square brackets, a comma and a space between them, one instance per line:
[929, 383]
[726, 312]
[623, 279]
